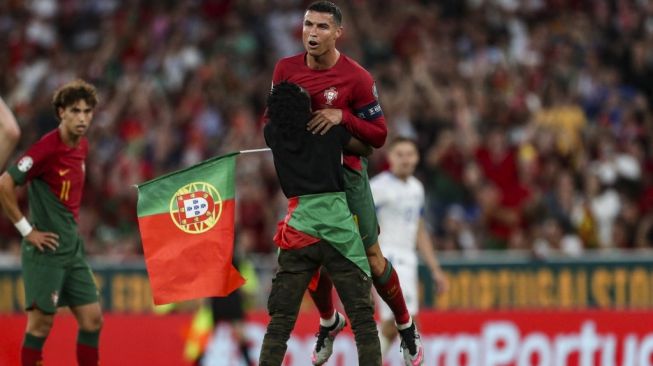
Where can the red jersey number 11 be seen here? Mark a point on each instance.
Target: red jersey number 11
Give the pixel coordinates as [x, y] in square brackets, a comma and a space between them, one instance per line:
[65, 190]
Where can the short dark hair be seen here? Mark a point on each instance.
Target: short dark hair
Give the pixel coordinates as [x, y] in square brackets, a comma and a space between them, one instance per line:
[401, 139]
[72, 92]
[327, 7]
[289, 107]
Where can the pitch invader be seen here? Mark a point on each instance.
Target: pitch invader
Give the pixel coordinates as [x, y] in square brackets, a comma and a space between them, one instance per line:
[344, 93]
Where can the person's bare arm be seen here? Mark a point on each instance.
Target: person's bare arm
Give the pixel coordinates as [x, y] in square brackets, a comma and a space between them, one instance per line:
[9, 133]
[425, 246]
[9, 204]
[357, 147]
[365, 121]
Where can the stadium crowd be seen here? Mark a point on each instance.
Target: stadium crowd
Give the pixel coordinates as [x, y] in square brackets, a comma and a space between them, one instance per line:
[533, 117]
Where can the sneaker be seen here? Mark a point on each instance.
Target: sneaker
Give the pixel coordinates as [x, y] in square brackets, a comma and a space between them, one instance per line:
[324, 344]
[411, 346]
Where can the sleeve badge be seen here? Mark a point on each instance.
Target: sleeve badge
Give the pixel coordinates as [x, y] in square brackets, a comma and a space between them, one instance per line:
[25, 164]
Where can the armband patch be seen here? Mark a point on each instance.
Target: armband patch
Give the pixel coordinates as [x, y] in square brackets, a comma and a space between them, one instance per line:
[370, 112]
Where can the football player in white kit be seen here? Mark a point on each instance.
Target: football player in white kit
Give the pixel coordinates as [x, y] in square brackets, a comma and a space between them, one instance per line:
[399, 200]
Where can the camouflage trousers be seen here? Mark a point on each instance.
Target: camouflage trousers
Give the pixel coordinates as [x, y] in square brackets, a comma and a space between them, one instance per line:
[296, 268]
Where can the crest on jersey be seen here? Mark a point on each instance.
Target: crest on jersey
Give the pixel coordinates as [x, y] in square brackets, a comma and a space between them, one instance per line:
[25, 164]
[196, 207]
[330, 95]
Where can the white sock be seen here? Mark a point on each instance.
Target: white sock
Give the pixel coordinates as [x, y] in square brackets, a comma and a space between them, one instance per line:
[385, 343]
[331, 321]
[407, 325]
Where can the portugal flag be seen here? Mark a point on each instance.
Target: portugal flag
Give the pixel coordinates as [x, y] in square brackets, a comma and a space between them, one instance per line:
[186, 220]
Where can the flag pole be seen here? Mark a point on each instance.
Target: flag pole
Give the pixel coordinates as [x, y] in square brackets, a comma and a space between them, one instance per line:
[254, 150]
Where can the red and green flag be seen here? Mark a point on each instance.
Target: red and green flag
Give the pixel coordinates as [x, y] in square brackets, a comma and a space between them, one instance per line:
[323, 216]
[186, 220]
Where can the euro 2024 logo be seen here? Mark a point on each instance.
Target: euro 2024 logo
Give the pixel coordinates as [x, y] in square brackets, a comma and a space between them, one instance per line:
[196, 207]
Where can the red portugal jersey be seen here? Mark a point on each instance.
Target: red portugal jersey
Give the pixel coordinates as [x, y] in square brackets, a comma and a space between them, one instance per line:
[56, 173]
[346, 86]
[60, 166]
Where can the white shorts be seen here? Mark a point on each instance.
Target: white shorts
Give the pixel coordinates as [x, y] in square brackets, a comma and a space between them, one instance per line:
[405, 264]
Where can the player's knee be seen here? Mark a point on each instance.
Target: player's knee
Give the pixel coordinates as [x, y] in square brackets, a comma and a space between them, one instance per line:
[99, 322]
[96, 323]
[40, 326]
[377, 263]
[377, 269]
[92, 323]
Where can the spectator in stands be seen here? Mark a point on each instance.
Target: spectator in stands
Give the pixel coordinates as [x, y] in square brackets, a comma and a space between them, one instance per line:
[184, 81]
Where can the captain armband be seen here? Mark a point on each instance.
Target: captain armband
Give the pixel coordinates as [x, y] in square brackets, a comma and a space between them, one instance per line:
[369, 112]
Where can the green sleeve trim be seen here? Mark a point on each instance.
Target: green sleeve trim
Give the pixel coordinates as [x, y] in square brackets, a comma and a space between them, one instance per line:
[18, 176]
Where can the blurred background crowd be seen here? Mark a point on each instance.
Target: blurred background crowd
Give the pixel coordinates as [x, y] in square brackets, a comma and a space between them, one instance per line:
[533, 117]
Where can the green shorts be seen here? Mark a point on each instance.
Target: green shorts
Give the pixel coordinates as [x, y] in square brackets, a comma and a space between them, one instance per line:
[48, 287]
[361, 203]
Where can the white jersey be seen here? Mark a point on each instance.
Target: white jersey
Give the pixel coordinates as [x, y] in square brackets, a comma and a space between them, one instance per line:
[399, 207]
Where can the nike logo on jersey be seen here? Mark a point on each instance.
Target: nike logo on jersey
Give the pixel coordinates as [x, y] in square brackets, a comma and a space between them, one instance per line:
[63, 172]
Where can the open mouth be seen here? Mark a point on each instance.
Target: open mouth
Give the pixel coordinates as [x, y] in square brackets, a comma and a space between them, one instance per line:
[312, 44]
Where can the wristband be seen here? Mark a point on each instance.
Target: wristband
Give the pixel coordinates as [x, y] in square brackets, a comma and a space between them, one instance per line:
[23, 226]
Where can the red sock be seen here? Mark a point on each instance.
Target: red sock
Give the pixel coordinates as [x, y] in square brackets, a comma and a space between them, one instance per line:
[31, 357]
[31, 354]
[389, 288]
[322, 296]
[87, 355]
